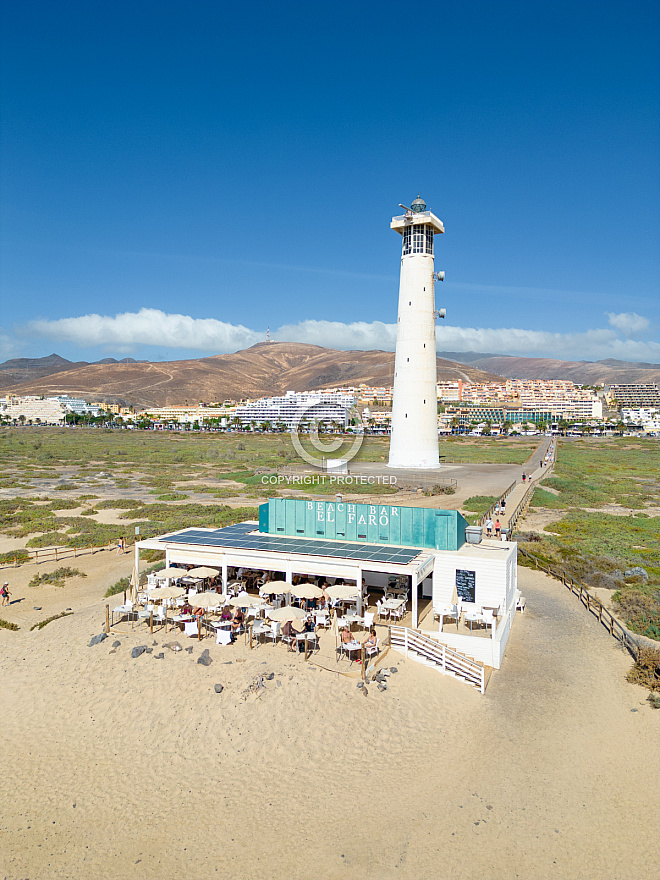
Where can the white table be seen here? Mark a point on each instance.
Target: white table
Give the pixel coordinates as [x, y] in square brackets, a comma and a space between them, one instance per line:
[306, 637]
[472, 617]
[349, 647]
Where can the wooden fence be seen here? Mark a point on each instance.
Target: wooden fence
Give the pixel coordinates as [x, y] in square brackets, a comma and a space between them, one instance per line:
[55, 554]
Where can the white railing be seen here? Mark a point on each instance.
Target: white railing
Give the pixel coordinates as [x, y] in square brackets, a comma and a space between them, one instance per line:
[449, 662]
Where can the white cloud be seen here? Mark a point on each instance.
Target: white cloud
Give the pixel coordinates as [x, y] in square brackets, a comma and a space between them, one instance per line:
[334, 334]
[125, 332]
[628, 323]
[152, 327]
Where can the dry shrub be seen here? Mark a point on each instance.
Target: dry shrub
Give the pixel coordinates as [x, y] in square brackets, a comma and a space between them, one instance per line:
[640, 608]
[646, 670]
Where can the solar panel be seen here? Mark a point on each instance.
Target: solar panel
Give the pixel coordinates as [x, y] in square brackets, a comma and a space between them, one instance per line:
[238, 537]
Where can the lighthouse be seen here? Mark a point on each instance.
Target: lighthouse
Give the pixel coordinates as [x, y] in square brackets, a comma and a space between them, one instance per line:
[414, 440]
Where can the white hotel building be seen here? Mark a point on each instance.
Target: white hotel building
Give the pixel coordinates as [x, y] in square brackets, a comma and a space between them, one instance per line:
[296, 408]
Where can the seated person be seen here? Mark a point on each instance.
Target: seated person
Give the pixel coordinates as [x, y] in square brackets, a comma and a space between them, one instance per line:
[198, 613]
[346, 636]
[186, 608]
[308, 625]
[237, 621]
[372, 640]
[226, 613]
[289, 632]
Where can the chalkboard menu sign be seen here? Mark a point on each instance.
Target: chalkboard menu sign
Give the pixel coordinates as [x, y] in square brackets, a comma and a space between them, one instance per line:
[465, 585]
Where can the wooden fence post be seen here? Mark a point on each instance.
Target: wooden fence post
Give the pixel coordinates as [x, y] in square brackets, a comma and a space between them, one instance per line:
[151, 621]
[107, 618]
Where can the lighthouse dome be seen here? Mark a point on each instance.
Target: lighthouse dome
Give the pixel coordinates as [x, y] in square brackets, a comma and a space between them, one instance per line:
[418, 206]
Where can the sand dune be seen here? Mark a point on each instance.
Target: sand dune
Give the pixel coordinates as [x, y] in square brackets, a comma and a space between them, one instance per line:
[124, 768]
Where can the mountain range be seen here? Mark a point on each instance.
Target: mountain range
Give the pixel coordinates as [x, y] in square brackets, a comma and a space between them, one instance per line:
[273, 368]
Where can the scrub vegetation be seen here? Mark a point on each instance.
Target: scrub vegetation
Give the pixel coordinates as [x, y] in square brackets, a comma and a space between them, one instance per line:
[606, 494]
[131, 466]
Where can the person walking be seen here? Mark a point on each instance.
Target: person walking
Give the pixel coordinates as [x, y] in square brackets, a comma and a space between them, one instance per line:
[4, 592]
[498, 528]
[489, 528]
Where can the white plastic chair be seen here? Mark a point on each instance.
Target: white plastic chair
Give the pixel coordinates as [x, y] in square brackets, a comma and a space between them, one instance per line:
[160, 615]
[398, 613]
[487, 618]
[274, 632]
[373, 649]
[222, 637]
[368, 619]
[453, 612]
[190, 628]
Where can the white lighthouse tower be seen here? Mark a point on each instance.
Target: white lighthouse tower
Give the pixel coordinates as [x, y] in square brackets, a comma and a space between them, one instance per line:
[414, 441]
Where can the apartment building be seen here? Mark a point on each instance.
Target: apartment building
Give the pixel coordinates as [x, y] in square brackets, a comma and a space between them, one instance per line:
[296, 408]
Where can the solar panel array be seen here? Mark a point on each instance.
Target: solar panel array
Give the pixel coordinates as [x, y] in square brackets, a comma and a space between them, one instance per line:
[237, 537]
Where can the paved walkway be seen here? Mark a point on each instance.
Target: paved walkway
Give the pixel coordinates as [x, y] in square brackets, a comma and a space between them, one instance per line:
[541, 468]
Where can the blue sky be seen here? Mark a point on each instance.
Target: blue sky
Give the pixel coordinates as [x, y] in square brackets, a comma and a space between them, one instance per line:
[178, 176]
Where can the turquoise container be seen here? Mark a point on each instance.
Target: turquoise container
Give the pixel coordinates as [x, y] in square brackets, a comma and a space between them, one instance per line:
[364, 523]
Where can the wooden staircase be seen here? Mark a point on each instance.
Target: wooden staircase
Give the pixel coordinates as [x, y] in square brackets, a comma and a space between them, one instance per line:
[422, 649]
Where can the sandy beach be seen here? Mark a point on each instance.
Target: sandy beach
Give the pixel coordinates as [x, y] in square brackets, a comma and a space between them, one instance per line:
[124, 768]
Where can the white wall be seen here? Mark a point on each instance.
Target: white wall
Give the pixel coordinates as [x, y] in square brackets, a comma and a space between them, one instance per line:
[495, 575]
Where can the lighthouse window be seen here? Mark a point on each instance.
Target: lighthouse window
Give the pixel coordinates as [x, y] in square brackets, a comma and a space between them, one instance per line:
[417, 240]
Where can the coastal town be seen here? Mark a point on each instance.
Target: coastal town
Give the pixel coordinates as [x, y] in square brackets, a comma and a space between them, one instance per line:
[512, 406]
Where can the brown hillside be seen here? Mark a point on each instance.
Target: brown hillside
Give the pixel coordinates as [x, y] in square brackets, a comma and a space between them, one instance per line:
[264, 369]
[580, 372]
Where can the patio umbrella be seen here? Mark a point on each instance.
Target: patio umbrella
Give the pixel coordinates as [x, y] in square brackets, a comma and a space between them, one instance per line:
[134, 586]
[245, 599]
[206, 600]
[275, 588]
[343, 591]
[203, 572]
[170, 573]
[306, 591]
[166, 593]
[286, 613]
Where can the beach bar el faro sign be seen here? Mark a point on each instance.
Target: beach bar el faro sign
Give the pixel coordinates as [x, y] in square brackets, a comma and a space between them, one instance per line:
[367, 523]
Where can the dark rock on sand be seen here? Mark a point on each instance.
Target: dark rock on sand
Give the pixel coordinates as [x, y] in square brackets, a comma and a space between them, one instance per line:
[204, 658]
[160, 656]
[96, 640]
[269, 676]
[218, 688]
[116, 644]
[394, 669]
[173, 646]
[138, 650]
[189, 650]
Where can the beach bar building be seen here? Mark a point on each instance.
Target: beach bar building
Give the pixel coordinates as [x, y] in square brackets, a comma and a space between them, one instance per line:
[429, 550]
